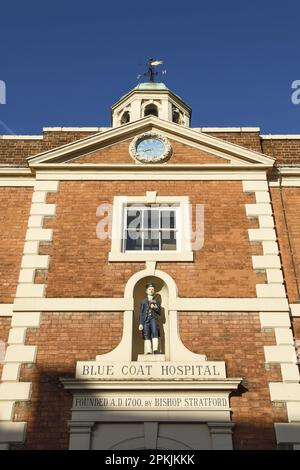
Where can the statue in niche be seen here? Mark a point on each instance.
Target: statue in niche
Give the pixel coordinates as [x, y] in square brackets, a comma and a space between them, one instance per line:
[149, 310]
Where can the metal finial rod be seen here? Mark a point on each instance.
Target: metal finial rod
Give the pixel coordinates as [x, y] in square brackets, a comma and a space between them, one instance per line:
[151, 64]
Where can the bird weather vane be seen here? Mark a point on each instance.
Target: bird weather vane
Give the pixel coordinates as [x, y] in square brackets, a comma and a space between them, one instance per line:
[151, 70]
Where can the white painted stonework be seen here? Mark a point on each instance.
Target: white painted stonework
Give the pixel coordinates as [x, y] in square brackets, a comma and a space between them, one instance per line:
[17, 353]
[284, 352]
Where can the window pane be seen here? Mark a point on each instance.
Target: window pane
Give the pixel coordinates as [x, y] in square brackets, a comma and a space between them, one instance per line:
[134, 218]
[151, 240]
[151, 218]
[168, 219]
[133, 240]
[168, 240]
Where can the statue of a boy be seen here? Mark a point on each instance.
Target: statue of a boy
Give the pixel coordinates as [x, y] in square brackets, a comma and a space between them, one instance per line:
[150, 308]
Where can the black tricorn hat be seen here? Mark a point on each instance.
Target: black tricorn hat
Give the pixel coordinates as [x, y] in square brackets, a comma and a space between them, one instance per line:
[150, 285]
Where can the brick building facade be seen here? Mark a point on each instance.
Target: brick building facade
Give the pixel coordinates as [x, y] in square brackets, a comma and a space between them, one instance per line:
[71, 283]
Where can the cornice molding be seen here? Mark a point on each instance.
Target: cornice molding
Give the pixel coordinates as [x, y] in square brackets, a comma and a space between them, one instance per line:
[149, 123]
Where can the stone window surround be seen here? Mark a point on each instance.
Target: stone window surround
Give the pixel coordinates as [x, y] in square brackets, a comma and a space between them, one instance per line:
[184, 227]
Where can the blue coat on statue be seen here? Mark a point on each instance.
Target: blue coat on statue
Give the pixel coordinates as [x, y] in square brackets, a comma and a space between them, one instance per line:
[148, 318]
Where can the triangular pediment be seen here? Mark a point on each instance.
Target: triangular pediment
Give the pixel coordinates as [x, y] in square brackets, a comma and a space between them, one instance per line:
[111, 148]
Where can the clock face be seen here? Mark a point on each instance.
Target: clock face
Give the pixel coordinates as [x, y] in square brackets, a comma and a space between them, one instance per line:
[150, 147]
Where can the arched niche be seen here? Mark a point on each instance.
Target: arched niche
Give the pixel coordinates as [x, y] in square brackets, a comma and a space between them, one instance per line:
[139, 294]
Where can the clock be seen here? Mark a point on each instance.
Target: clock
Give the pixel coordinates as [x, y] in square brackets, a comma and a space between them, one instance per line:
[150, 147]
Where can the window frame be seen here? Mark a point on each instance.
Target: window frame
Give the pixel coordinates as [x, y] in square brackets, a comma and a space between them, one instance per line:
[160, 207]
[184, 251]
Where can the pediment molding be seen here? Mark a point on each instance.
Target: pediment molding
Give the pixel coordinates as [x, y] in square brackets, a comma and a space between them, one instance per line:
[237, 154]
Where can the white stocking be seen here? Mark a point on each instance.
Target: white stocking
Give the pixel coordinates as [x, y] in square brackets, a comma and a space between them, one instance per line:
[155, 344]
[148, 346]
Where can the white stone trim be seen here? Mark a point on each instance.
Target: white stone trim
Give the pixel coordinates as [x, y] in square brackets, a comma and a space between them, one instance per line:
[290, 373]
[270, 247]
[75, 129]
[12, 431]
[262, 197]
[270, 290]
[35, 261]
[109, 304]
[284, 336]
[46, 186]
[13, 182]
[17, 352]
[42, 209]
[31, 247]
[286, 182]
[21, 137]
[30, 290]
[295, 310]
[274, 320]
[285, 391]
[35, 221]
[146, 172]
[6, 310]
[266, 221]
[289, 176]
[261, 234]
[255, 186]
[274, 276]
[258, 209]
[15, 391]
[266, 261]
[11, 373]
[16, 336]
[27, 275]
[27, 319]
[280, 354]
[283, 353]
[20, 354]
[39, 196]
[280, 136]
[227, 129]
[288, 433]
[293, 408]
[148, 256]
[39, 234]
[6, 410]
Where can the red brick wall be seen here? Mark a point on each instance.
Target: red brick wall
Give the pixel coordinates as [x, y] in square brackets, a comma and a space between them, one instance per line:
[250, 140]
[5, 323]
[79, 260]
[285, 150]
[14, 211]
[62, 340]
[237, 339]
[119, 153]
[15, 151]
[291, 202]
[296, 328]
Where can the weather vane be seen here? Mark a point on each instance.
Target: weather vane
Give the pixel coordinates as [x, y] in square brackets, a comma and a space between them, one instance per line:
[151, 73]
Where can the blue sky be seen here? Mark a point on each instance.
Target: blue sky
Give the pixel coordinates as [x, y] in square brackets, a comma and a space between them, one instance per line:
[65, 62]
